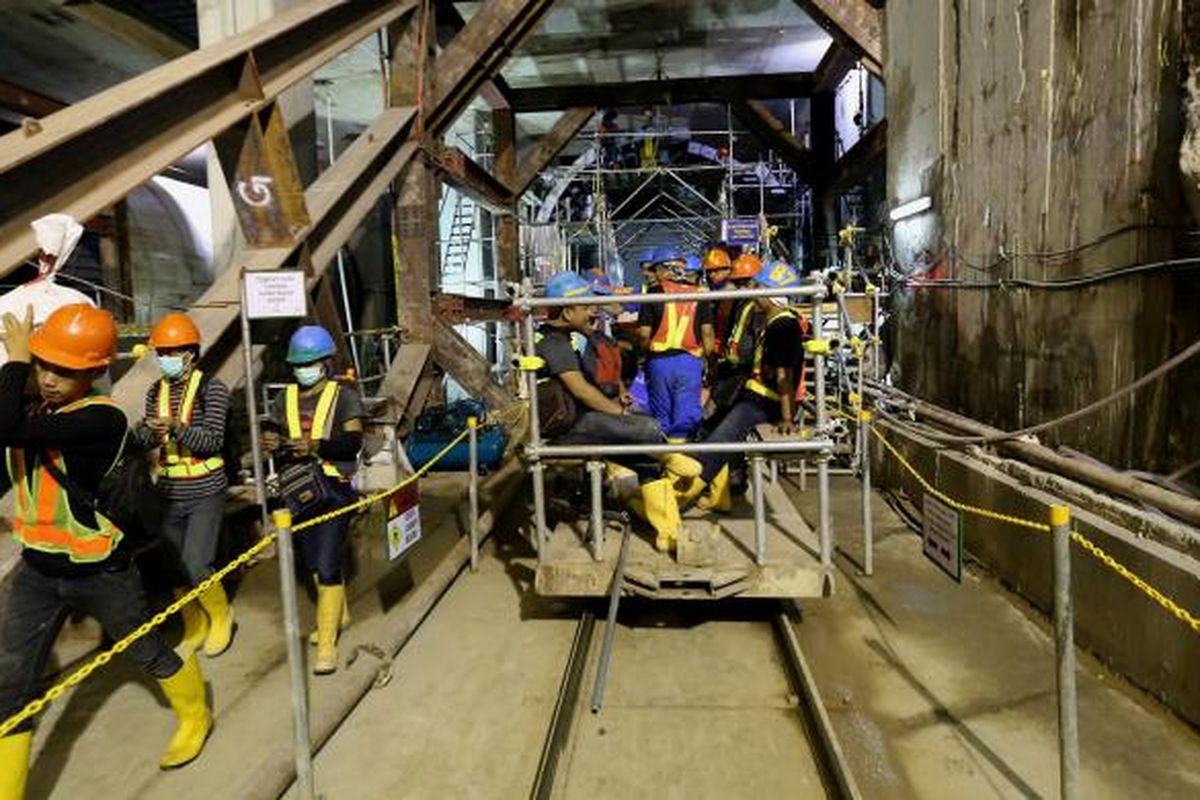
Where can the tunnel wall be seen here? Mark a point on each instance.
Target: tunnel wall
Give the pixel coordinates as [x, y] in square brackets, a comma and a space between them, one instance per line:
[1047, 132]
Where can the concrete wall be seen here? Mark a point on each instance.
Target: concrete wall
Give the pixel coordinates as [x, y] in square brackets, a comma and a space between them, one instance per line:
[1048, 132]
[1114, 620]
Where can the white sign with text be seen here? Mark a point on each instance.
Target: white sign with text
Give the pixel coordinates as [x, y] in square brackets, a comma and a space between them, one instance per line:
[276, 294]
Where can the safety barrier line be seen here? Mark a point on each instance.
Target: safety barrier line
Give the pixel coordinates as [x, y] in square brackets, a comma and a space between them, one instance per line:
[1091, 548]
[77, 677]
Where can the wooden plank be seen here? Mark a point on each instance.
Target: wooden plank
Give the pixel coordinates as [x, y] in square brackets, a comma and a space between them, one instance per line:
[405, 372]
[855, 23]
[456, 355]
[465, 174]
[508, 240]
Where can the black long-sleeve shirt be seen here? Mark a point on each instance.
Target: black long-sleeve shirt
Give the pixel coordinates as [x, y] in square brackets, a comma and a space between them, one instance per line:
[89, 439]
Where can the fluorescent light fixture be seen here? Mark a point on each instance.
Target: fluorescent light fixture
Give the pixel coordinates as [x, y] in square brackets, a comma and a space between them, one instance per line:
[911, 208]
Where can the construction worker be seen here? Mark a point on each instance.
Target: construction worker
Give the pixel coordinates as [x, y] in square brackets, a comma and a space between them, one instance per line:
[318, 423]
[741, 327]
[599, 351]
[573, 410]
[73, 559]
[771, 390]
[185, 419]
[676, 337]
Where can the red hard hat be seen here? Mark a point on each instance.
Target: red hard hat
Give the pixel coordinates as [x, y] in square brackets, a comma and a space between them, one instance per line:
[716, 259]
[746, 266]
[76, 336]
[175, 330]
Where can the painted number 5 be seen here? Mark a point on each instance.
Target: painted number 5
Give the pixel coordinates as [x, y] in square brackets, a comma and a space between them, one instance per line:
[256, 191]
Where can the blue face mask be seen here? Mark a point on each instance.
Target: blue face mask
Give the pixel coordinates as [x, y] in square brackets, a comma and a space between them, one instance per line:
[309, 375]
[172, 366]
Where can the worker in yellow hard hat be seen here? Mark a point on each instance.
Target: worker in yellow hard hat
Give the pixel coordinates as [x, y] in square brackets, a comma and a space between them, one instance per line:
[186, 413]
[74, 558]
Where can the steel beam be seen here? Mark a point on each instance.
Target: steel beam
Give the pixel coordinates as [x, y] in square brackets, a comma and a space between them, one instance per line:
[564, 130]
[476, 54]
[855, 23]
[458, 308]
[471, 370]
[856, 164]
[669, 92]
[465, 174]
[26, 102]
[508, 236]
[84, 158]
[835, 65]
[767, 127]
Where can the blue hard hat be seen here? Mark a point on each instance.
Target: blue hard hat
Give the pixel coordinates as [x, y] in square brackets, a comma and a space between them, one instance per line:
[310, 343]
[599, 282]
[661, 254]
[568, 284]
[777, 275]
[693, 264]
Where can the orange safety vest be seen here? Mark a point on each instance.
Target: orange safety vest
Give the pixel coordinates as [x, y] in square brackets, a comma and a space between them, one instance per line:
[322, 420]
[175, 461]
[43, 519]
[755, 382]
[677, 329]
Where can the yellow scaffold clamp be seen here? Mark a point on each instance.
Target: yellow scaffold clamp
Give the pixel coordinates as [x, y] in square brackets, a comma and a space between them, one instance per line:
[817, 347]
[838, 287]
[855, 400]
[472, 422]
[857, 346]
[870, 288]
[864, 415]
[531, 363]
[846, 235]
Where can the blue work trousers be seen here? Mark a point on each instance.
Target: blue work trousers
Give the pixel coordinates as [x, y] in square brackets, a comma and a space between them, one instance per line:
[745, 415]
[674, 384]
[323, 546]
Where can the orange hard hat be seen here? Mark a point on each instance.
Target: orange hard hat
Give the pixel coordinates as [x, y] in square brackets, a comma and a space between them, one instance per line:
[76, 336]
[746, 266]
[716, 259]
[175, 330]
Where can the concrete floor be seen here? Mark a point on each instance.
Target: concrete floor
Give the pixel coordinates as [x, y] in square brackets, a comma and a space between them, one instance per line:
[937, 690]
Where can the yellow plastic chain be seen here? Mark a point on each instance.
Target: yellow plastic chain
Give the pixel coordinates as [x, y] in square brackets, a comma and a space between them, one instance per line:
[1093, 549]
[77, 677]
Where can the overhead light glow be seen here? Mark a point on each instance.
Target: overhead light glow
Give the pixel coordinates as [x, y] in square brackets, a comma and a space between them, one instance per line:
[911, 208]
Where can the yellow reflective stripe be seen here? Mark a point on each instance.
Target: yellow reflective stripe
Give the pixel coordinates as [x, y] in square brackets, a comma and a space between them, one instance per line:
[677, 328]
[760, 388]
[189, 398]
[291, 403]
[734, 340]
[322, 415]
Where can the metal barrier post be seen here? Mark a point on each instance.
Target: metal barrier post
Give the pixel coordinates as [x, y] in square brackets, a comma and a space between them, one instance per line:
[1064, 651]
[473, 488]
[864, 420]
[596, 474]
[825, 526]
[875, 344]
[260, 483]
[302, 746]
[537, 470]
[760, 511]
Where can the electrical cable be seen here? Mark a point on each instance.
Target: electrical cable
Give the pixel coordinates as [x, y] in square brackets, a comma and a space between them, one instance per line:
[1175, 264]
[1153, 375]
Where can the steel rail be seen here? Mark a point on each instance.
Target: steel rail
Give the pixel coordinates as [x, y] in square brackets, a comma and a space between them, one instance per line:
[564, 708]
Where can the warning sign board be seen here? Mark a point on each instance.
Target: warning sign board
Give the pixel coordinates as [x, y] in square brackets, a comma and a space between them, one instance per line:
[404, 521]
[942, 536]
[743, 231]
[276, 294]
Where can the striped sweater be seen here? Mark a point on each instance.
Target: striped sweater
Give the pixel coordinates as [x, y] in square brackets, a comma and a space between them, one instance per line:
[204, 437]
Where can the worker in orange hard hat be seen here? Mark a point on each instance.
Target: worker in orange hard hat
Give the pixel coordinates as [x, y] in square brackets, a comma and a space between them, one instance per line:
[185, 419]
[73, 557]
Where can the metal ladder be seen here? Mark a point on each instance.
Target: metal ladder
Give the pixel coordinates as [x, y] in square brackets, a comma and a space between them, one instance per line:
[458, 244]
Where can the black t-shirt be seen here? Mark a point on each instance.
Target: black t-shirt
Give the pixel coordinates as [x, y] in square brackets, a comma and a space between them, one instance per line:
[651, 315]
[89, 439]
[555, 347]
[783, 346]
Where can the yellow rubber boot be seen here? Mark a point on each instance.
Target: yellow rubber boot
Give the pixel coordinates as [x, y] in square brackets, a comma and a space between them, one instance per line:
[195, 627]
[680, 466]
[220, 615]
[14, 765]
[622, 481]
[329, 614]
[688, 495]
[342, 624]
[185, 691]
[717, 498]
[657, 506]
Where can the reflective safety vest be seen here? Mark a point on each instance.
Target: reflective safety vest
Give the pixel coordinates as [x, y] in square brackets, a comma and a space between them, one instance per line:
[175, 461]
[755, 382]
[322, 419]
[43, 520]
[677, 328]
[741, 336]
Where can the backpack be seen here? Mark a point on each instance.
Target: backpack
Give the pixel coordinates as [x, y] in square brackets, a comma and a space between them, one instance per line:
[126, 495]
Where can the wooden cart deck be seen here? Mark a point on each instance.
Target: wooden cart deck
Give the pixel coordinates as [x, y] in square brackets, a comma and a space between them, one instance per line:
[715, 558]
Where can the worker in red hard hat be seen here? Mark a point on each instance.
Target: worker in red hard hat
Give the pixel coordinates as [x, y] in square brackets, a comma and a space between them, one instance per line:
[73, 558]
[185, 417]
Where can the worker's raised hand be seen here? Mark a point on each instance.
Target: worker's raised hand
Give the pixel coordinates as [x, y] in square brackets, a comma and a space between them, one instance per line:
[158, 426]
[16, 333]
[270, 441]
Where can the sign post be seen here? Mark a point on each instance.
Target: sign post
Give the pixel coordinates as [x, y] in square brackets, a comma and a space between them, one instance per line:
[280, 294]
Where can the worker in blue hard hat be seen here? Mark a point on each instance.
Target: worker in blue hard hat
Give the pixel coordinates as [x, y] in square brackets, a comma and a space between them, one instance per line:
[315, 431]
[572, 409]
[677, 337]
[772, 389]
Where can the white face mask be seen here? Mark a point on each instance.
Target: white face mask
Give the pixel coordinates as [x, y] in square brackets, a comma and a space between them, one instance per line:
[779, 302]
[172, 366]
[309, 375]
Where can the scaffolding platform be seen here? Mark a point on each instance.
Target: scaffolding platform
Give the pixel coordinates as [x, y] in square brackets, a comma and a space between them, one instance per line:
[715, 558]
